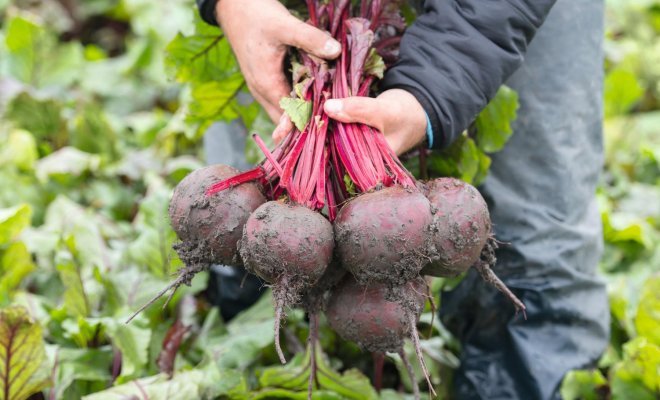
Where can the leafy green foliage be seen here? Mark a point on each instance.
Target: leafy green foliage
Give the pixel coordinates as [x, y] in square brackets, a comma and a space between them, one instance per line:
[205, 62]
[22, 355]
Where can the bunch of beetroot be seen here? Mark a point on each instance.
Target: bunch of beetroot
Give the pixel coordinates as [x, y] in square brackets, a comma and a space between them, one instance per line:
[333, 197]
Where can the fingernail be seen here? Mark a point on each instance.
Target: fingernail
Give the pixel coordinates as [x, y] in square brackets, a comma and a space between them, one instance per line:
[332, 47]
[333, 106]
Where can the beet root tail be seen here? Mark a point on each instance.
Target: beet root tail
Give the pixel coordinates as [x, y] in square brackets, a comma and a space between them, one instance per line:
[414, 335]
[279, 314]
[483, 266]
[411, 374]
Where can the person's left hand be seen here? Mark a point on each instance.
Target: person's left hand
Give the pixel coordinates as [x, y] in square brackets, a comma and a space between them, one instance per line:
[395, 112]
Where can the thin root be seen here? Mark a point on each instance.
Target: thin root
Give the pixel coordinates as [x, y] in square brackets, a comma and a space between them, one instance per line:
[489, 276]
[414, 335]
[313, 338]
[186, 275]
[484, 267]
[279, 307]
[411, 374]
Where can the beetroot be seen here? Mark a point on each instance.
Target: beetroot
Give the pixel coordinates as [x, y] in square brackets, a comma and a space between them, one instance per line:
[282, 241]
[461, 226]
[461, 234]
[381, 236]
[378, 317]
[288, 246]
[211, 226]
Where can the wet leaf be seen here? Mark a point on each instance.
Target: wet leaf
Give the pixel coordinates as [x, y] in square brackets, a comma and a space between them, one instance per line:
[23, 365]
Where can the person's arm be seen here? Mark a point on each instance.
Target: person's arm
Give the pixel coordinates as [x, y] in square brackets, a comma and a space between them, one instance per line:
[456, 55]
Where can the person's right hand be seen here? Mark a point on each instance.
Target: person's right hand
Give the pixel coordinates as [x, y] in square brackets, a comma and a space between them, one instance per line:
[259, 32]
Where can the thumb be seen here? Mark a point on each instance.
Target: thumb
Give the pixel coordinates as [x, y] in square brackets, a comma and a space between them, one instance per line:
[365, 110]
[313, 40]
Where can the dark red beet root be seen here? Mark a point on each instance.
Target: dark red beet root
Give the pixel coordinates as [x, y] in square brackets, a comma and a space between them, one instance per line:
[290, 247]
[382, 236]
[375, 316]
[461, 225]
[211, 226]
[379, 317]
[282, 240]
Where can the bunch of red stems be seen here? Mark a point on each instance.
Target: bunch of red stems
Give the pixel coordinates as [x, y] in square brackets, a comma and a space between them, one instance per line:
[329, 161]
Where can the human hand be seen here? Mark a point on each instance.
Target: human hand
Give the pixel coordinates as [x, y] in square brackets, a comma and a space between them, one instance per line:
[395, 112]
[259, 32]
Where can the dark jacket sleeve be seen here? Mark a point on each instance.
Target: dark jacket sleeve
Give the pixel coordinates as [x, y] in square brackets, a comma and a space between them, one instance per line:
[207, 11]
[457, 53]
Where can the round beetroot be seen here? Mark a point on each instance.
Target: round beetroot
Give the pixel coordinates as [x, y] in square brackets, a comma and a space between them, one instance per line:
[382, 236]
[290, 247]
[376, 317]
[211, 226]
[285, 241]
[461, 226]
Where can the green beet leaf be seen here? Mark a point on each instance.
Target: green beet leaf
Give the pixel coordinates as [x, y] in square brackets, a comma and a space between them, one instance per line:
[493, 124]
[23, 363]
[298, 110]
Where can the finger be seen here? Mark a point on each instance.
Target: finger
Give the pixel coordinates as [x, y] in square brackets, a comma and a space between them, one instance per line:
[365, 110]
[282, 129]
[313, 40]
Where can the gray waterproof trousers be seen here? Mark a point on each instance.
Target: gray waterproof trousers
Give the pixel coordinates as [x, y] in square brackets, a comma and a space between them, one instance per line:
[541, 194]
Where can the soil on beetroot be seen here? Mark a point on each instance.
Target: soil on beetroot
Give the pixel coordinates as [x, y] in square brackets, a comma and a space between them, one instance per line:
[461, 225]
[211, 226]
[281, 240]
[382, 236]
